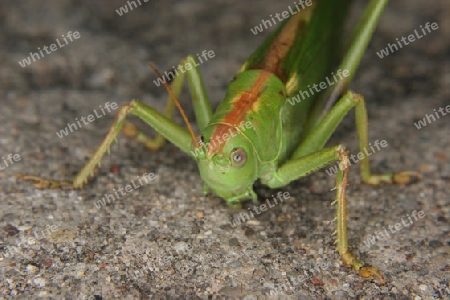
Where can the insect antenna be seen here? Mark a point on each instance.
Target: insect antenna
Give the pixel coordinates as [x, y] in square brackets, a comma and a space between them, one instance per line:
[177, 103]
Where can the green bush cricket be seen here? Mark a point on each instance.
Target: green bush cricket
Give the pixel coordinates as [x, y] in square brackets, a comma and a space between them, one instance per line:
[261, 129]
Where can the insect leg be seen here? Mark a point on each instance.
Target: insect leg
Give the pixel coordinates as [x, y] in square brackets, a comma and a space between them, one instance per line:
[305, 165]
[354, 51]
[202, 106]
[322, 132]
[166, 127]
[162, 123]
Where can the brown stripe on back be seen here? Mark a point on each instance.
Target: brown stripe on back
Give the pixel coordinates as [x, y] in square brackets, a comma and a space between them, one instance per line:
[242, 104]
[283, 42]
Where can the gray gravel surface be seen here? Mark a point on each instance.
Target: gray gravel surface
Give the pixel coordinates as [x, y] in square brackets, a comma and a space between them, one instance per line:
[165, 239]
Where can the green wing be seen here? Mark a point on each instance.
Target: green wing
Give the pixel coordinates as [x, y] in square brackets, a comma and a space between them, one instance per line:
[314, 51]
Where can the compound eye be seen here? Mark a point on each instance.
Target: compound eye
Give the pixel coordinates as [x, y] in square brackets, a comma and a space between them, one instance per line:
[238, 157]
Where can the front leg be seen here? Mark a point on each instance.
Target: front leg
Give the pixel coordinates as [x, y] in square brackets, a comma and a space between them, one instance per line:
[170, 130]
[162, 123]
[297, 168]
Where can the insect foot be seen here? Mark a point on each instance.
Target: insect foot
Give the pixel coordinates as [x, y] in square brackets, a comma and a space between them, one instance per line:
[42, 183]
[406, 177]
[403, 177]
[368, 273]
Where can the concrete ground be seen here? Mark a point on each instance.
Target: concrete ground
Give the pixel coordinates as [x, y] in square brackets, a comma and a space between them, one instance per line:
[165, 240]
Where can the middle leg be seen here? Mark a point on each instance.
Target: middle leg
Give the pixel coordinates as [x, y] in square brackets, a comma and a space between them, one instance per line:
[320, 135]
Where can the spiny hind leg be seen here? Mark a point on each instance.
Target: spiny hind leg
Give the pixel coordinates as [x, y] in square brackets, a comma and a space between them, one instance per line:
[166, 129]
[130, 130]
[82, 176]
[170, 130]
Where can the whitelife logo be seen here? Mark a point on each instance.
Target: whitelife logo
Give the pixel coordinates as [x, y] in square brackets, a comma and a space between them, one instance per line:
[318, 87]
[29, 241]
[371, 240]
[64, 132]
[391, 48]
[124, 9]
[280, 17]
[187, 66]
[35, 56]
[263, 207]
[10, 158]
[221, 139]
[360, 155]
[430, 118]
[148, 178]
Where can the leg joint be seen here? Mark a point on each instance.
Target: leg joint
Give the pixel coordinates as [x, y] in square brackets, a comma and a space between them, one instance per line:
[123, 111]
[344, 160]
[354, 97]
